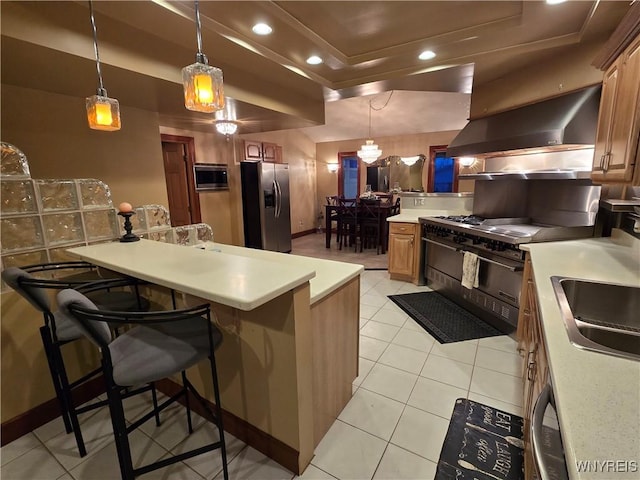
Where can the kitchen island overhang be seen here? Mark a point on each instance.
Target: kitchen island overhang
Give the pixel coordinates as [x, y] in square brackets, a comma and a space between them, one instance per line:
[289, 324]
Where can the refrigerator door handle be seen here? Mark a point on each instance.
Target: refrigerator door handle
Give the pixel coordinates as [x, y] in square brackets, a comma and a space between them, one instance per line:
[278, 200]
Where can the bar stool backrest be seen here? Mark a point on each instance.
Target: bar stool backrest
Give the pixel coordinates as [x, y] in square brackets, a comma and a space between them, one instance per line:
[24, 283]
[97, 332]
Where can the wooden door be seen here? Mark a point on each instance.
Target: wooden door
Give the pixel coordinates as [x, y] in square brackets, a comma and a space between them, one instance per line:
[179, 156]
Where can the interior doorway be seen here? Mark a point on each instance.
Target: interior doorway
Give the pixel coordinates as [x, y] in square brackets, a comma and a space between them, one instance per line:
[443, 171]
[178, 155]
[348, 174]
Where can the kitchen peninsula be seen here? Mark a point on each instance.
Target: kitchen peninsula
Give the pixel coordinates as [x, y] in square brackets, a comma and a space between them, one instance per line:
[290, 326]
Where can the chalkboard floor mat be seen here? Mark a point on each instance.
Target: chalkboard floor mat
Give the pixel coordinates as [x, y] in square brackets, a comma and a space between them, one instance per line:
[482, 443]
[443, 319]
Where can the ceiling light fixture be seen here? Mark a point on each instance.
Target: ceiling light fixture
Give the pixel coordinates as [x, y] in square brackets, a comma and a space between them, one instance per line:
[369, 152]
[202, 83]
[103, 113]
[226, 127]
[427, 55]
[467, 161]
[262, 29]
[314, 60]
[555, 2]
[410, 160]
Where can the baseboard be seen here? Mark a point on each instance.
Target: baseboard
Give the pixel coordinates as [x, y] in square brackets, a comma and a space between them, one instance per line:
[263, 442]
[303, 233]
[47, 411]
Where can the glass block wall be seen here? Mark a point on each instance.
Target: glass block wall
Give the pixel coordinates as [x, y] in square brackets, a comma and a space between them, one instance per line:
[40, 219]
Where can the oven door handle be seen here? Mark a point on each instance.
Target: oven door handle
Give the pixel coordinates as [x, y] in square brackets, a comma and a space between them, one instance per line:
[441, 244]
[513, 268]
[545, 398]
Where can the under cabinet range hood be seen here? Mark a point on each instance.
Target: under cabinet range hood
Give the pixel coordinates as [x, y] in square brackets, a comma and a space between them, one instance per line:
[567, 122]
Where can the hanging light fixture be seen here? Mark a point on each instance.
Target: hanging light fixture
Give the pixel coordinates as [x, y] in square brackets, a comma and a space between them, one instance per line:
[226, 127]
[369, 152]
[202, 83]
[103, 113]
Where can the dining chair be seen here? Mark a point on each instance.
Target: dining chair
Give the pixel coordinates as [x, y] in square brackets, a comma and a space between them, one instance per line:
[34, 283]
[348, 225]
[370, 224]
[332, 201]
[158, 345]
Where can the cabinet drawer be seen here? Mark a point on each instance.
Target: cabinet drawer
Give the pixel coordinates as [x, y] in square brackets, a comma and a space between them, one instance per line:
[406, 228]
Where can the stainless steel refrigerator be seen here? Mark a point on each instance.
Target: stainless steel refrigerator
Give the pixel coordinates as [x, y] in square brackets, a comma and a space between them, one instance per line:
[378, 178]
[265, 206]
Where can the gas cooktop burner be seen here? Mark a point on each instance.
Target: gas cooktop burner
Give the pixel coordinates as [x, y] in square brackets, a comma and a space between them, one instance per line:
[468, 219]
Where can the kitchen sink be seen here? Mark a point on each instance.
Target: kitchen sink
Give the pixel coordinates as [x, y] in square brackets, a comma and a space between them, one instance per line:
[602, 317]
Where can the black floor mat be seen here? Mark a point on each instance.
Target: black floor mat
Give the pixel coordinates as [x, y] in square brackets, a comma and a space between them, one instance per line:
[482, 443]
[442, 318]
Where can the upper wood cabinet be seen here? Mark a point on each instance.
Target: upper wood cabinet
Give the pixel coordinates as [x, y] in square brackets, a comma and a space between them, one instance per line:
[262, 151]
[615, 156]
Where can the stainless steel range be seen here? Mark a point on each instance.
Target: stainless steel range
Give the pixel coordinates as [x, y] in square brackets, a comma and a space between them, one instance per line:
[496, 239]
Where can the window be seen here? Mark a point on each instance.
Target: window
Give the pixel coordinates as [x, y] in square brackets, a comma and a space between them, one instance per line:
[348, 175]
[443, 171]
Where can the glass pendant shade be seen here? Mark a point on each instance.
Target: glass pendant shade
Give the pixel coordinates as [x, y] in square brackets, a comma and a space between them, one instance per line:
[203, 90]
[103, 113]
[369, 152]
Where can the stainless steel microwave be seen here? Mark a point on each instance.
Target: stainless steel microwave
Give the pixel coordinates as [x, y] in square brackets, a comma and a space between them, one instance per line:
[210, 176]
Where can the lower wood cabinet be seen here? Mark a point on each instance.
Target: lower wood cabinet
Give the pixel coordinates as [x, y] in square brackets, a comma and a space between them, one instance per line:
[404, 251]
[535, 367]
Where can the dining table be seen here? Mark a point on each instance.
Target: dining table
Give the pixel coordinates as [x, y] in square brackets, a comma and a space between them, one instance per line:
[387, 209]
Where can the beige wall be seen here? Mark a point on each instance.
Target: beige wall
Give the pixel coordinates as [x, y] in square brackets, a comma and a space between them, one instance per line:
[299, 151]
[562, 73]
[402, 145]
[52, 131]
[216, 207]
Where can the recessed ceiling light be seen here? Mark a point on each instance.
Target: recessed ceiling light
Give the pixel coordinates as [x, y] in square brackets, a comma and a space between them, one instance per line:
[262, 29]
[427, 55]
[555, 2]
[314, 60]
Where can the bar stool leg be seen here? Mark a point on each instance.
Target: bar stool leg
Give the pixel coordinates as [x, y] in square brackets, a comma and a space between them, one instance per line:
[216, 396]
[68, 397]
[45, 333]
[186, 401]
[119, 426]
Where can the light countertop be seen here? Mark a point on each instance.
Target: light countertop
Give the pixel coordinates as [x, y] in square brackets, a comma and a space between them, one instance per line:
[411, 215]
[597, 395]
[239, 277]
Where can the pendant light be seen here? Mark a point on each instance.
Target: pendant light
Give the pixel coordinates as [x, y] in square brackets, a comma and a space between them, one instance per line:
[369, 152]
[103, 113]
[202, 83]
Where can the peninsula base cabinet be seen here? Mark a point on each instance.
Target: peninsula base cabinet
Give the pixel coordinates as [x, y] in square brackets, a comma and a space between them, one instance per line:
[404, 251]
[535, 366]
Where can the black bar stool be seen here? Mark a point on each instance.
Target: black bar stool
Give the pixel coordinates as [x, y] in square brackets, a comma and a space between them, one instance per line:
[159, 344]
[58, 330]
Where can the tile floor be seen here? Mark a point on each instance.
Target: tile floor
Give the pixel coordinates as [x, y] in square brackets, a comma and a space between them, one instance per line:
[392, 428]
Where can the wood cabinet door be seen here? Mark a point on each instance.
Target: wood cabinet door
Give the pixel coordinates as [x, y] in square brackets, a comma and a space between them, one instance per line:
[624, 131]
[269, 152]
[401, 254]
[252, 150]
[605, 119]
